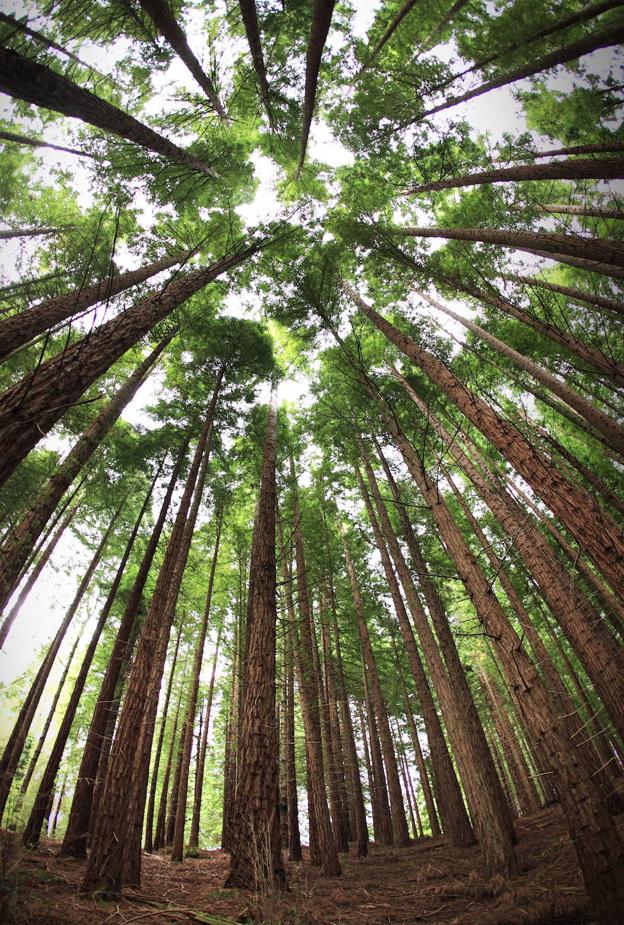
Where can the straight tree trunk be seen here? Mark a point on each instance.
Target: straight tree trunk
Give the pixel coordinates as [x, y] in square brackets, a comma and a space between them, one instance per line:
[255, 854]
[15, 745]
[249, 16]
[434, 823]
[570, 292]
[148, 846]
[32, 832]
[576, 616]
[160, 839]
[177, 848]
[32, 525]
[584, 211]
[400, 834]
[19, 329]
[30, 408]
[201, 753]
[432, 38]
[292, 800]
[39, 143]
[116, 839]
[322, 11]
[25, 79]
[396, 21]
[605, 38]
[606, 168]
[590, 266]
[574, 506]
[27, 233]
[161, 15]
[175, 786]
[380, 804]
[92, 766]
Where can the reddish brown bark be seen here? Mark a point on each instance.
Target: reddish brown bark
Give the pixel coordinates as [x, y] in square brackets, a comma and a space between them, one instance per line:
[201, 753]
[321, 20]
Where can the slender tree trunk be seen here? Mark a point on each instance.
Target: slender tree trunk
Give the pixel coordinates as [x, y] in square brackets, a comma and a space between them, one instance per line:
[15, 745]
[256, 856]
[570, 292]
[160, 13]
[177, 848]
[322, 11]
[292, 800]
[151, 802]
[32, 525]
[172, 809]
[160, 839]
[329, 863]
[434, 824]
[578, 619]
[19, 329]
[575, 507]
[30, 408]
[92, 766]
[32, 832]
[584, 211]
[591, 266]
[400, 835]
[446, 19]
[588, 474]
[396, 21]
[29, 584]
[201, 753]
[25, 79]
[605, 250]
[116, 837]
[27, 233]
[39, 143]
[378, 790]
[249, 16]
[591, 169]
[605, 38]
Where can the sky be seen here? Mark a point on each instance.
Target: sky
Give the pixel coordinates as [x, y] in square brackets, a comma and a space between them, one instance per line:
[497, 112]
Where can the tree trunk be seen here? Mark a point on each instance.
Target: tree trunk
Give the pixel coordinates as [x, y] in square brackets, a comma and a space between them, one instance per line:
[39, 143]
[606, 168]
[116, 837]
[15, 745]
[30, 408]
[249, 16]
[292, 801]
[160, 13]
[151, 802]
[201, 753]
[446, 19]
[32, 525]
[400, 834]
[322, 11]
[177, 848]
[584, 211]
[160, 839]
[79, 823]
[25, 79]
[606, 38]
[590, 266]
[393, 26]
[574, 506]
[434, 824]
[592, 642]
[20, 328]
[577, 295]
[380, 805]
[256, 856]
[32, 831]
[27, 233]
[172, 809]
[605, 250]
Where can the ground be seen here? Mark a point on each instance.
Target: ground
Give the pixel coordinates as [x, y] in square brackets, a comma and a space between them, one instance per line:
[427, 882]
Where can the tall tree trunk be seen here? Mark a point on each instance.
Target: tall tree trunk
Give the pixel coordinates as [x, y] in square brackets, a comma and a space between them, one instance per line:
[30, 408]
[249, 16]
[15, 745]
[27, 233]
[603, 423]
[32, 525]
[92, 766]
[201, 753]
[588, 474]
[32, 831]
[20, 328]
[485, 798]
[292, 800]
[396, 21]
[378, 789]
[29, 584]
[160, 839]
[576, 616]
[256, 856]
[329, 863]
[574, 506]
[560, 208]
[39, 143]
[116, 839]
[160, 13]
[322, 11]
[433, 35]
[400, 835]
[570, 292]
[175, 786]
[177, 848]
[606, 168]
[434, 824]
[25, 79]
[549, 243]
[605, 38]
[151, 802]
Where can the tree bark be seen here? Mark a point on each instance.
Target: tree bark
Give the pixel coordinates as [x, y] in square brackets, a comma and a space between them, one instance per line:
[91, 766]
[25, 79]
[322, 11]
[249, 16]
[30, 408]
[32, 525]
[583, 211]
[432, 813]
[575, 507]
[201, 753]
[19, 329]
[164, 810]
[255, 853]
[27, 233]
[39, 143]
[396, 21]
[578, 295]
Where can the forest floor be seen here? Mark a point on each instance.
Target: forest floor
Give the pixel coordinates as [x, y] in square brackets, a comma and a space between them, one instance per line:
[427, 882]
